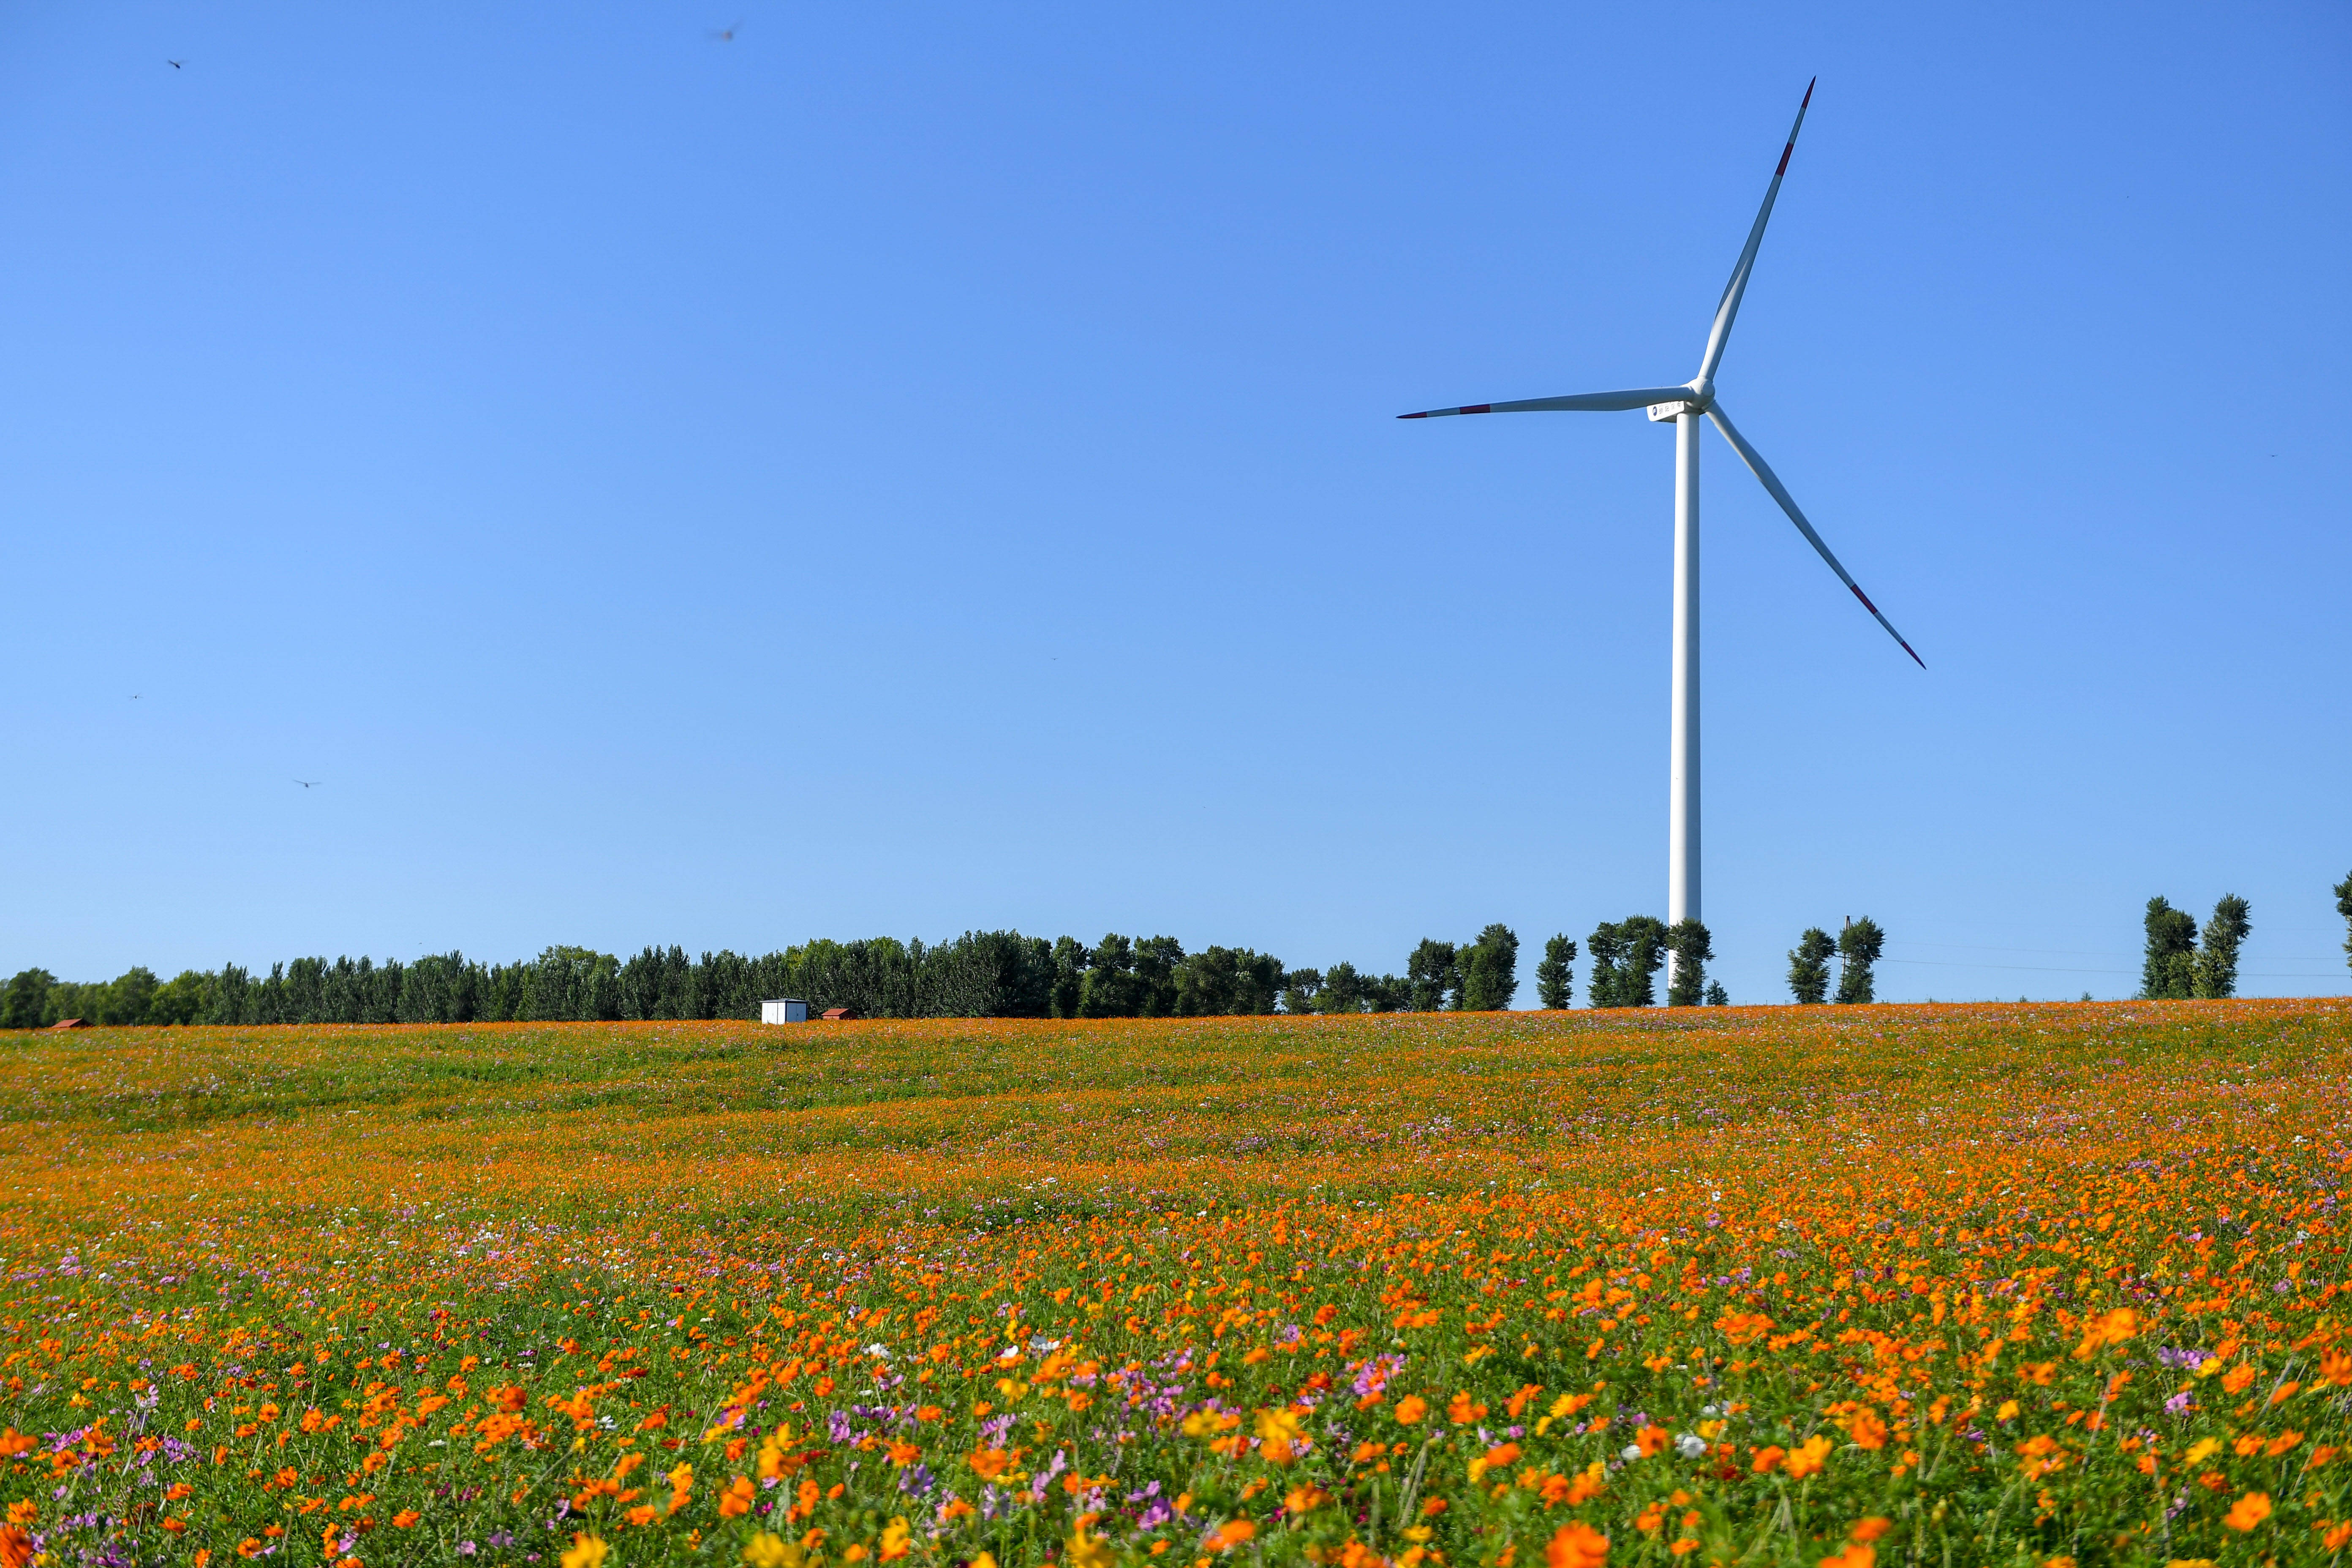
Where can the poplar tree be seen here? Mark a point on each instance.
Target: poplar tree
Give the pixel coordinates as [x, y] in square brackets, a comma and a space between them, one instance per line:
[1859, 944]
[1625, 956]
[1434, 974]
[2343, 907]
[1556, 974]
[2217, 960]
[1809, 967]
[1692, 947]
[2167, 969]
[1490, 970]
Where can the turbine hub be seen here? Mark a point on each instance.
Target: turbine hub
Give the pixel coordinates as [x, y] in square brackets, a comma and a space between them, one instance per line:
[1702, 394]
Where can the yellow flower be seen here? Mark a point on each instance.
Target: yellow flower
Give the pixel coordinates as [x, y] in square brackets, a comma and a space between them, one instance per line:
[1085, 1551]
[769, 1550]
[587, 1552]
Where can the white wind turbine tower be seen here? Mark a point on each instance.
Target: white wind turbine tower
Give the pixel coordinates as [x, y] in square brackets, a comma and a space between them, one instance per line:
[1686, 405]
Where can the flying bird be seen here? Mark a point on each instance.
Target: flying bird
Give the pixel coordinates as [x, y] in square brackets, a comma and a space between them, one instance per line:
[174, 64]
[725, 35]
[306, 784]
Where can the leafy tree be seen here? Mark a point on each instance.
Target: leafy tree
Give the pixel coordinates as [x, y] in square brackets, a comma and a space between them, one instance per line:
[1069, 977]
[1343, 990]
[2343, 907]
[1809, 967]
[1692, 946]
[2217, 960]
[1156, 958]
[1225, 981]
[25, 1004]
[1433, 973]
[1556, 974]
[1490, 971]
[1716, 996]
[1859, 945]
[2168, 968]
[1625, 957]
[1110, 990]
[1300, 990]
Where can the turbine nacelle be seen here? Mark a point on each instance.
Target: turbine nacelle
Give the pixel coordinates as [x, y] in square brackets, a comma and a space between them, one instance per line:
[1701, 399]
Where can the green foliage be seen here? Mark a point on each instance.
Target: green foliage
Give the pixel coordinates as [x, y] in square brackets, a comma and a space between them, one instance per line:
[1068, 987]
[2343, 907]
[1434, 974]
[2174, 968]
[1110, 990]
[1556, 974]
[1809, 967]
[1345, 990]
[1859, 945]
[1716, 996]
[1691, 948]
[2167, 969]
[2217, 960]
[1228, 981]
[1625, 957]
[25, 1004]
[1490, 971]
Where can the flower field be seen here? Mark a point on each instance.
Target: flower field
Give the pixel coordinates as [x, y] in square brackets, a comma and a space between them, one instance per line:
[1847, 1285]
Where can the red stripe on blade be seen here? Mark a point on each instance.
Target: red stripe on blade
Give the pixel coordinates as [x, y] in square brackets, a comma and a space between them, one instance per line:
[1867, 605]
[1784, 160]
[1477, 408]
[1412, 415]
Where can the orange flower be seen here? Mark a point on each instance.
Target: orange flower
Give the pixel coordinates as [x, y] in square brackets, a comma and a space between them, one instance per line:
[1867, 1430]
[1650, 1439]
[737, 1499]
[405, 1519]
[1232, 1533]
[1871, 1529]
[2248, 1511]
[1808, 1457]
[1767, 1458]
[2237, 1376]
[1856, 1555]
[15, 1547]
[1576, 1545]
[1411, 1409]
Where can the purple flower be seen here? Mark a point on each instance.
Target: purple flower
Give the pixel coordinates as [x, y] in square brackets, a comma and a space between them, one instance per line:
[2178, 1402]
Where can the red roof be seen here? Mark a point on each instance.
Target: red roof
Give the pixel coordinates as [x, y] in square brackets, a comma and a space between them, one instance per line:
[839, 1014]
[70, 1023]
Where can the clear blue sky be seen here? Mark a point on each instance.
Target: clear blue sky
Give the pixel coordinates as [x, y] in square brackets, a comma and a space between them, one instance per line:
[908, 469]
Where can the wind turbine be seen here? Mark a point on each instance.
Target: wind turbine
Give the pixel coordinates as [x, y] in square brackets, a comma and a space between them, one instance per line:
[1685, 406]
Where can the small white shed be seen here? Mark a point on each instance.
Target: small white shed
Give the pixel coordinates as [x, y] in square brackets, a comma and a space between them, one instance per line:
[784, 1010]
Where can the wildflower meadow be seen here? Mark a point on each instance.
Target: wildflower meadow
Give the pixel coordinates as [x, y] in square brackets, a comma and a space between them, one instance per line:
[1824, 1286]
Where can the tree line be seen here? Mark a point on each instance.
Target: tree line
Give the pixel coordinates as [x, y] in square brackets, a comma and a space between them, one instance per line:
[998, 974]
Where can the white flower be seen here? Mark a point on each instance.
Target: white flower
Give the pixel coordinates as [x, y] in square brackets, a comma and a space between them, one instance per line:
[1691, 1445]
[1632, 1451]
[879, 1348]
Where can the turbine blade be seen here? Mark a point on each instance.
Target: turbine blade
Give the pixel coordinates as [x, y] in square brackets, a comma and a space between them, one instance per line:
[1729, 306]
[1581, 403]
[1763, 471]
